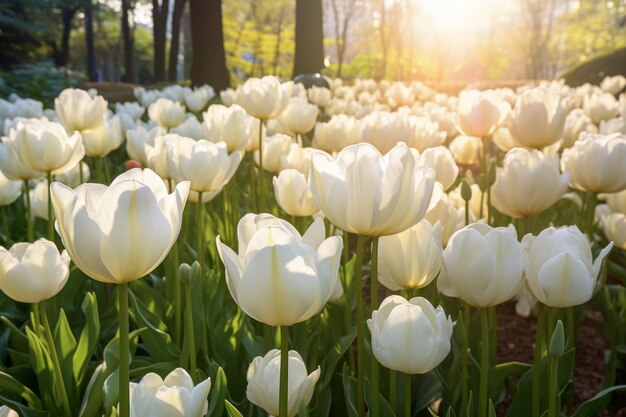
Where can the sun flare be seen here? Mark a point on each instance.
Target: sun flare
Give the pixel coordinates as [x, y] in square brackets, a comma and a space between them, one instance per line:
[455, 14]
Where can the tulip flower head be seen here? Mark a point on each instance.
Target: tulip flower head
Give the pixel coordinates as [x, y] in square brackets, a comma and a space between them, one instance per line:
[280, 277]
[483, 265]
[119, 233]
[410, 336]
[364, 192]
[263, 382]
[174, 396]
[560, 270]
[33, 272]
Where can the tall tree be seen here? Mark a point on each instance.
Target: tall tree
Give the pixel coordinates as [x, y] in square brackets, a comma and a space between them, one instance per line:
[91, 56]
[67, 9]
[309, 54]
[179, 8]
[160, 11]
[343, 12]
[127, 35]
[207, 37]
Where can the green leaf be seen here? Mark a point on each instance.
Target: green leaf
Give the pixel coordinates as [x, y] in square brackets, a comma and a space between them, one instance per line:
[231, 410]
[500, 373]
[349, 389]
[385, 408]
[65, 346]
[332, 358]
[94, 394]
[88, 340]
[43, 367]
[595, 405]
[21, 409]
[218, 394]
[10, 385]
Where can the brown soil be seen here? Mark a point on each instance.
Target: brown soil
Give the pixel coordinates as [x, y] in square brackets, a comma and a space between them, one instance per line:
[516, 337]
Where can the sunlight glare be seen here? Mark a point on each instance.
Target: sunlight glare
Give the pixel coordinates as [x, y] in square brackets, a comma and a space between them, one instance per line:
[455, 15]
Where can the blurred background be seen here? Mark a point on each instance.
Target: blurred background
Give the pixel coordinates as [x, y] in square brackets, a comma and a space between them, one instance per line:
[152, 41]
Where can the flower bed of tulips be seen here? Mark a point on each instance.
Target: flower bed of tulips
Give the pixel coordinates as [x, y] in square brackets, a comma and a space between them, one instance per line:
[333, 251]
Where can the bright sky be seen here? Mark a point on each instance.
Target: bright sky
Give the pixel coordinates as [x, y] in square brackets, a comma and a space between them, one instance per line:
[457, 15]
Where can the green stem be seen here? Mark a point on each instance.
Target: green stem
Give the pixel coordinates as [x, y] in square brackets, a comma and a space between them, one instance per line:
[467, 210]
[235, 215]
[178, 314]
[536, 402]
[50, 211]
[373, 306]
[189, 333]
[261, 145]
[284, 372]
[98, 166]
[484, 363]
[393, 394]
[407, 395]
[360, 327]
[200, 231]
[5, 224]
[528, 225]
[80, 173]
[30, 233]
[267, 338]
[553, 402]
[571, 328]
[105, 163]
[36, 324]
[591, 208]
[464, 361]
[124, 354]
[493, 334]
[55, 360]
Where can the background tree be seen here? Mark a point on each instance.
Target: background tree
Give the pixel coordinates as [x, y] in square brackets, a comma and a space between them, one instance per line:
[90, 56]
[160, 11]
[209, 59]
[309, 53]
[343, 11]
[127, 36]
[179, 8]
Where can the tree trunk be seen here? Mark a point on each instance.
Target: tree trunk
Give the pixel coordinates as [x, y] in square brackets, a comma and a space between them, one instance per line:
[207, 37]
[179, 7]
[159, 28]
[67, 14]
[309, 54]
[91, 56]
[127, 35]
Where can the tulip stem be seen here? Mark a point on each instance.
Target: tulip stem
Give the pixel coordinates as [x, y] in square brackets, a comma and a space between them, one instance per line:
[373, 306]
[98, 166]
[191, 340]
[484, 363]
[260, 145]
[30, 234]
[464, 361]
[5, 224]
[80, 173]
[107, 175]
[124, 354]
[393, 386]
[493, 333]
[52, 351]
[537, 361]
[50, 211]
[284, 371]
[360, 327]
[178, 320]
[36, 320]
[591, 208]
[571, 328]
[407, 395]
[200, 231]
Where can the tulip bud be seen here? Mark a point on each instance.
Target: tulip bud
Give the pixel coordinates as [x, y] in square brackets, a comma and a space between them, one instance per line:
[466, 191]
[557, 341]
[196, 272]
[184, 272]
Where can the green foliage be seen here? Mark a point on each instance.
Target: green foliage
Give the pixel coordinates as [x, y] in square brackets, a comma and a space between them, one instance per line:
[41, 81]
